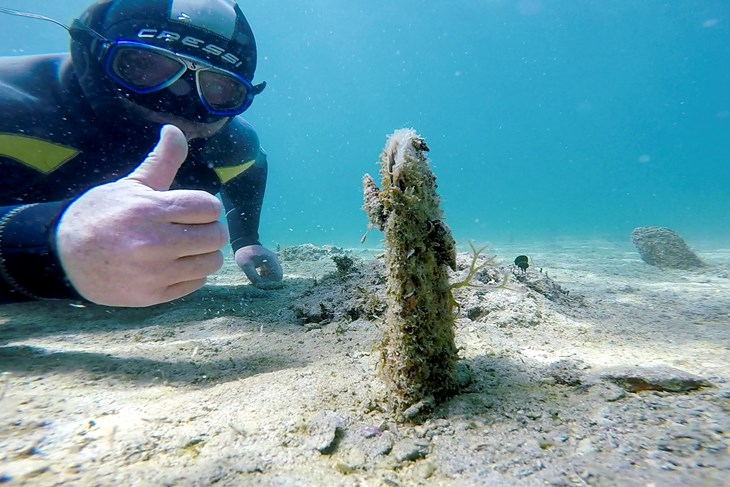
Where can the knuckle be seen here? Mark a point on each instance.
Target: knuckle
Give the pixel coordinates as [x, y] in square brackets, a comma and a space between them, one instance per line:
[223, 234]
[216, 206]
[216, 261]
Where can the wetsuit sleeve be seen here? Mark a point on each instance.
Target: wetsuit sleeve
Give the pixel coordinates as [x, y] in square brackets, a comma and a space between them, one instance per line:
[243, 197]
[29, 264]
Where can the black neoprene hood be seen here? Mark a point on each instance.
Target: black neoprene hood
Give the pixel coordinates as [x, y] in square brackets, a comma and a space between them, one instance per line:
[214, 30]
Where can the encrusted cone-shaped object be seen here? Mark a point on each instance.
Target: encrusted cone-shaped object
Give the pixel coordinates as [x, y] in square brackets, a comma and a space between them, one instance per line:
[418, 353]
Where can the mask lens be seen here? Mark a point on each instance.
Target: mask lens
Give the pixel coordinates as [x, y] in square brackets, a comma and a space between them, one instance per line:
[144, 70]
[223, 92]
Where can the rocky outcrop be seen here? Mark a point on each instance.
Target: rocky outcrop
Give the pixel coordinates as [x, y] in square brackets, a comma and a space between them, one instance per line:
[663, 247]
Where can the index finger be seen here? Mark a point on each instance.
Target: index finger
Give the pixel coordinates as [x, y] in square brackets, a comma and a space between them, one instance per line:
[191, 206]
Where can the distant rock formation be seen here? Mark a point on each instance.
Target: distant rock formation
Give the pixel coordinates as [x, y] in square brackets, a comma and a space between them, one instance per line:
[663, 247]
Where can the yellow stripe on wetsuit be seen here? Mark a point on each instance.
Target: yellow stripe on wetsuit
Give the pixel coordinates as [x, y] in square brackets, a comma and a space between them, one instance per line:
[41, 155]
[225, 174]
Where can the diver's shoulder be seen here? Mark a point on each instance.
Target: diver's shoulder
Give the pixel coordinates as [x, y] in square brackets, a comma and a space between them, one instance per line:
[29, 79]
[29, 67]
[237, 138]
[239, 129]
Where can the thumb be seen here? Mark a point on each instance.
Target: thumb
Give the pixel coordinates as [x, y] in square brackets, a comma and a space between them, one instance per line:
[158, 170]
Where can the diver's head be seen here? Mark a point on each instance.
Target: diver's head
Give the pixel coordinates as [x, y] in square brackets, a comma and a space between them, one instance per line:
[189, 59]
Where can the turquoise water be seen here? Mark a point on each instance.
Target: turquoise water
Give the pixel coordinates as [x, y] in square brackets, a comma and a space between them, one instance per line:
[545, 118]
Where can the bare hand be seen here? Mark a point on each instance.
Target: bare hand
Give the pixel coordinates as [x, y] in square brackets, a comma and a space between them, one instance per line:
[133, 242]
[260, 265]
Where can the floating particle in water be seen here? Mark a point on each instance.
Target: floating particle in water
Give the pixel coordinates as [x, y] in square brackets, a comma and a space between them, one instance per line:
[644, 158]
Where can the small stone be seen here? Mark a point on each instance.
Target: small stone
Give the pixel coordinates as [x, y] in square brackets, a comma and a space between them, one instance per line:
[379, 445]
[248, 466]
[407, 450]
[424, 470]
[421, 407]
[325, 429]
[565, 372]
[545, 444]
[658, 378]
[343, 468]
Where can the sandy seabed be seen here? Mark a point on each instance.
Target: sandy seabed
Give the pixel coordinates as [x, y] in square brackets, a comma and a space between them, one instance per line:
[592, 368]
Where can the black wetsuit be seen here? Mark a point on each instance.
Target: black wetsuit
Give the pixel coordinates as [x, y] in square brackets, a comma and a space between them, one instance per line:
[53, 147]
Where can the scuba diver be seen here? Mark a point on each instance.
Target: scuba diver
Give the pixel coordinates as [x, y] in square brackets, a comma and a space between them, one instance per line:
[86, 210]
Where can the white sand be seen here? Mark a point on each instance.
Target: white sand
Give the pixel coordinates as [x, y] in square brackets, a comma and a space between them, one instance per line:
[228, 386]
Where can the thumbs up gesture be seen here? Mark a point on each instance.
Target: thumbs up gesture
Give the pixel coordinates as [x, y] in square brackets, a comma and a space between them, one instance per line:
[133, 242]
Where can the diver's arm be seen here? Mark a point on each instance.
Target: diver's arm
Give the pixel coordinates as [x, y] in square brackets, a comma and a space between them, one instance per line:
[29, 265]
[243, 198]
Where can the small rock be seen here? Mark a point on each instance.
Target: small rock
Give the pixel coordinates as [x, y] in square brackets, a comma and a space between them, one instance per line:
[325, 430]
[343, 468]
[371, 431]
[659, 378]
[424, 470]
[423, 406]
[379, 445]
[407, 450]
[248, 466]
[565, 372]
